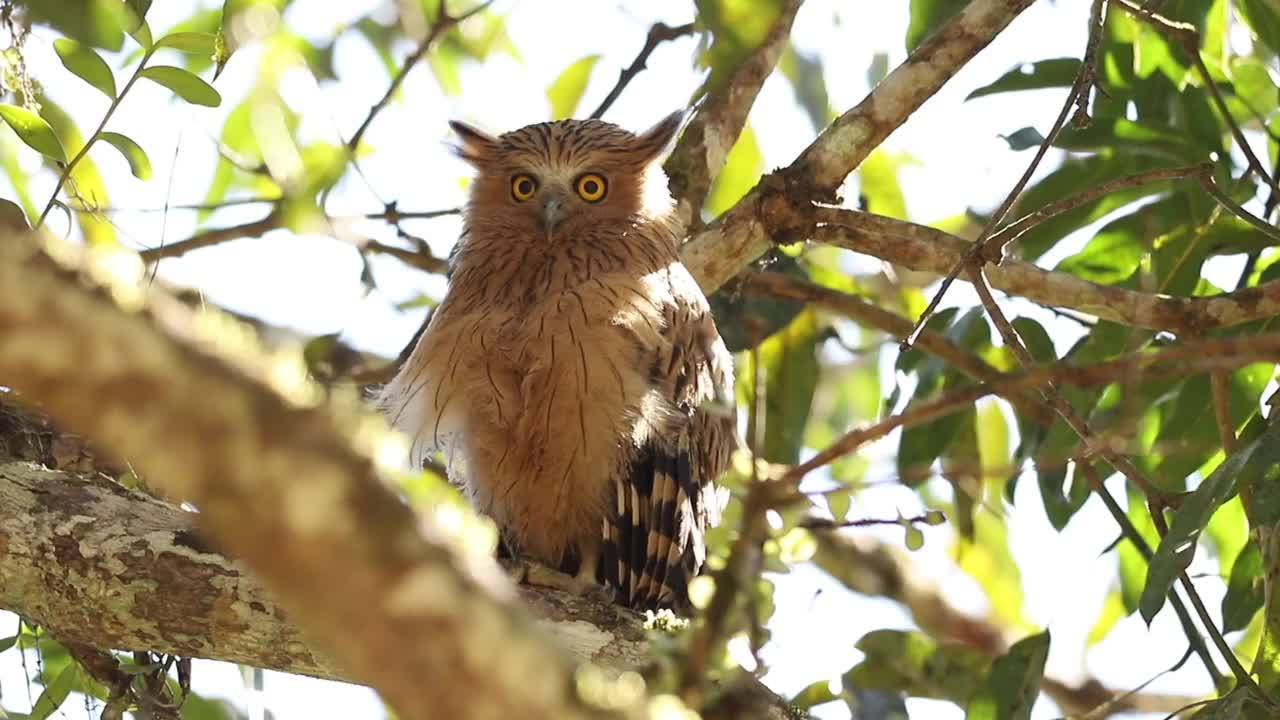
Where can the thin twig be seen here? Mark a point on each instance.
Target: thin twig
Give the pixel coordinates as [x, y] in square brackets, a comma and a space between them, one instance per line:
[214, 236]
[1089, 66]
[1189, 358]
[658, 34]
[867, 313]
[1081, 84]
[825, 524]
[442, 25]
[1013, 231]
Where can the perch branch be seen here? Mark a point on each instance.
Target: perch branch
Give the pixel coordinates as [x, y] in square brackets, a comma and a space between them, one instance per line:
[283, 484]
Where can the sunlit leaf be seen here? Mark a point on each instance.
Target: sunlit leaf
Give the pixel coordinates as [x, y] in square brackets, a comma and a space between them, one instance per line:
[139, 163]
[55, 693]
[184, 84]
[743, 167]
[929, 15]
[97, 23]
[34, 131]
[566, 91]
[86, 65]
[196, 43]
[1011, 689]
[916, 664]
[791, 372]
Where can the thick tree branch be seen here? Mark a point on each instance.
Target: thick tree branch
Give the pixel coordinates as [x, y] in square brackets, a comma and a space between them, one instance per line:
[702, 148]
[104, 566]
[281, 485]
[745, 232]
[922, 248]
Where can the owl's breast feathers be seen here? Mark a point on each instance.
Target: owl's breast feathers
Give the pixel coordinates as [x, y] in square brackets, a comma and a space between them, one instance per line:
[579, 392]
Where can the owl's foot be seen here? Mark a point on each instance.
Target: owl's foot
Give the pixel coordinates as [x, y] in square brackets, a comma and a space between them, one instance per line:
[527, 572]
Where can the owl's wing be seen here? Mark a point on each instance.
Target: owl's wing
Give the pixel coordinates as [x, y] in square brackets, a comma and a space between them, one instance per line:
[665, 497]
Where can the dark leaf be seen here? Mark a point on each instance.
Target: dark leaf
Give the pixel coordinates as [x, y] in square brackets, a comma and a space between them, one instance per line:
[1011, 688]
[1058, 72]
[1178, 546]
[1024, 139]
[1244, 589]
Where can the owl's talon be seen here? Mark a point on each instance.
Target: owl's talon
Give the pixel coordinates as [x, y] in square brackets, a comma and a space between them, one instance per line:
[524, 572]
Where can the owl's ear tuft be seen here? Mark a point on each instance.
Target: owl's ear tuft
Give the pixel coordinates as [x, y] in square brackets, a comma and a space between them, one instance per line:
[657, 140]
[474, 145]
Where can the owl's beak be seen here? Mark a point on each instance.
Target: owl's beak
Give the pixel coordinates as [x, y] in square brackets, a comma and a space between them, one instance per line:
[552, 213]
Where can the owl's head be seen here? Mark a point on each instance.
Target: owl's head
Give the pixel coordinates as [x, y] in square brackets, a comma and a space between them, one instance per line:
[557, 177]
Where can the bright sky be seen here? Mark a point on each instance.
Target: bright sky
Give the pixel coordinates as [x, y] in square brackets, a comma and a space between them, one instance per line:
[312, 282]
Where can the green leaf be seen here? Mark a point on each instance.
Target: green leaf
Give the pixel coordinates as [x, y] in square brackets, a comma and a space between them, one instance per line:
[6, 643]
[196, 43]
[142, 35]
[139, 163]
[97, 23]
[734, 310]
[1244, 590]
[86, 65]
[54, 693]
[566, 91]
[1263, 18]
[1058, 72]
[1011, 688]
[34, 131]
[804, 72]
[184, 84]
[736, 28]
[916, 664]
[929, 15]
[743, 167]
[878, 182]
[816, 693]
[1177, 548]
[790, 362]
[1114, 253]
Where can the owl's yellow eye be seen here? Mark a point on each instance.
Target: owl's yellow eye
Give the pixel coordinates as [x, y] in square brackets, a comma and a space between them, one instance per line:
[523, 187]
[591, 187]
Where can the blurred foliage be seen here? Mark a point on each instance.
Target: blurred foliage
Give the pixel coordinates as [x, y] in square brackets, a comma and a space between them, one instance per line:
[820, 374]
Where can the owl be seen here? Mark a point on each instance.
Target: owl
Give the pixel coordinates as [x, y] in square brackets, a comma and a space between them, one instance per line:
[573, 374]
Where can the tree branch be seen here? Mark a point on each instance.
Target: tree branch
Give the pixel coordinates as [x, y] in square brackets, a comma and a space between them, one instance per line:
[746, 232]
[288, 487]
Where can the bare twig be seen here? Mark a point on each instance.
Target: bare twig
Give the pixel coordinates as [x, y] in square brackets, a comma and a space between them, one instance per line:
[658, 34]
[722, 249]
[215, 236]
[1013, 231]
[1189, 358]
[442, 25]
[867, 313]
